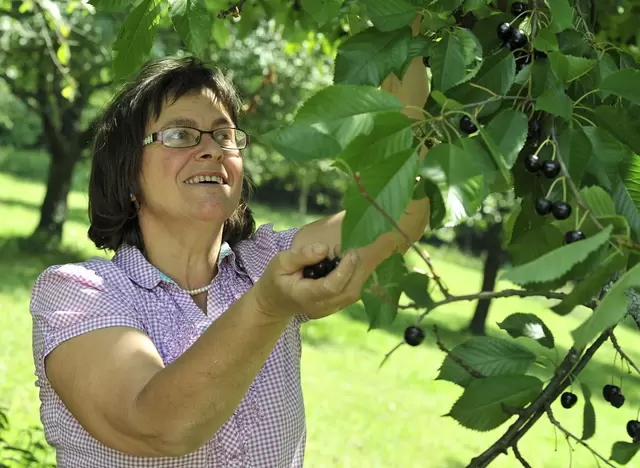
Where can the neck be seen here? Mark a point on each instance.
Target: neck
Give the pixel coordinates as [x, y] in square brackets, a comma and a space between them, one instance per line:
[187, 254]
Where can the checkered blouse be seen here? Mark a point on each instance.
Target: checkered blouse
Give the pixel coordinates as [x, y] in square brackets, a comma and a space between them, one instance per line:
[267, 428]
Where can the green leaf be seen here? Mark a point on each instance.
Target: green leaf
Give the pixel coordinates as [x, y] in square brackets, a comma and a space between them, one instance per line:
[530, 326]
[558, 262]
[111, 6]
[438, 210]
[623, 452]
[607, 153]
[387, 15]
[419, 46]
[598, 201]
[533, 244]
[556, 102]
[561, 14]
[193, 22]
[369, 57]
[64, 53]
[546, 40]
[330, 120]
[508, 134]
[415, 285]
[390, 184]
[447, 63]
[386, 281]
[620, 123]
[458, 165]
[606, 66]
[391, 134]
[610, 310]
[624, 83]
[589, 414]
[627, 193]
[322, 11]
[578, 154]
[481, 405]
[496, 74]
[135, 37]
[567, 68]
[488, 356]
[471, 48]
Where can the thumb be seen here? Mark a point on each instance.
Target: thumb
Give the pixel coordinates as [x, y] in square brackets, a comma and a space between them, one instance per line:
[296, 259]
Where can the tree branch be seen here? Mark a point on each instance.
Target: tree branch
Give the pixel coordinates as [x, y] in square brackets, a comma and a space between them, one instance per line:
[555, 422]
[423, 255]
[519, 456]
[491, 295]
[572, 185]
[474, 373]
[623, 355]
[235, 10]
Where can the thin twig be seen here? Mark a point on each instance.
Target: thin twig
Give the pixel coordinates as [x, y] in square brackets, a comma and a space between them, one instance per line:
[555, 422]
[623, 355]
[388, 355]
[474, 373]
[235, 10]
[519, 456]
[423, 255]
[572, 185]
[494, 295]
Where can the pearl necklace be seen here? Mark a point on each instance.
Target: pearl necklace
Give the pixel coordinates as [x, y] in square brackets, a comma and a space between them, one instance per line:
[195, 292]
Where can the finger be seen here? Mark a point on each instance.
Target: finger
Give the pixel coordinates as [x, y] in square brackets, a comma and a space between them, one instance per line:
[338, 279]
[293, 260]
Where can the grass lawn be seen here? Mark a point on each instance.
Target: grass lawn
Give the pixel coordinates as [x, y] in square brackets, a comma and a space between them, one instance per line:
[358, 415]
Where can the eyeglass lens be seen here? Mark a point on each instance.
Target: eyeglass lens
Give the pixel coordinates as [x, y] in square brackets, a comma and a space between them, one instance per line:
[182, 137]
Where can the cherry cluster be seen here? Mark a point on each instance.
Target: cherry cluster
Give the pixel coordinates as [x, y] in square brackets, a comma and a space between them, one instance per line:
[613, 394]
[320, 269]
[516, 39]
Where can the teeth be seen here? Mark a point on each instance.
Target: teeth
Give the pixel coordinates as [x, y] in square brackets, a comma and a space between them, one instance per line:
[199, 179]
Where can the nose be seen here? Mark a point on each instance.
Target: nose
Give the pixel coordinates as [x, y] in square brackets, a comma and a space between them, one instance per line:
[209, 148]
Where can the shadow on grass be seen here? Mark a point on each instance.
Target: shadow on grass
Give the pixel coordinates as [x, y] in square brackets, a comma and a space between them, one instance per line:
[73, 214]
[19, 268]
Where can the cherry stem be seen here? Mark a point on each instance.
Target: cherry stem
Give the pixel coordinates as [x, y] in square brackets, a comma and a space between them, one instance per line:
[474, 373]
[572, 185]
[423, 255]
[583, 219]
[569, 435]
[623, 355]
[585, 95]
[553, 185]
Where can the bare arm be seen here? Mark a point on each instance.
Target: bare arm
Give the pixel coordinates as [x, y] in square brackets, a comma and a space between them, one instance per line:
[114, 383]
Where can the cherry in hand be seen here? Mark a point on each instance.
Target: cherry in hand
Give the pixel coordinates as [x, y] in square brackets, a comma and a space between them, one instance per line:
[320, 269]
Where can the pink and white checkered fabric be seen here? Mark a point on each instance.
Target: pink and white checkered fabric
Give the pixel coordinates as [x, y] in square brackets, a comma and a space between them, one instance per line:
[267, 428]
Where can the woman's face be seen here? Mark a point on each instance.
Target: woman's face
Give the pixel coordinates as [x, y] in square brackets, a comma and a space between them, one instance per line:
[167, 195]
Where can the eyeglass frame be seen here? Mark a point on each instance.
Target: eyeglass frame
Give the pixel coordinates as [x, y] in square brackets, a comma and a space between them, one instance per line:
[157, 136]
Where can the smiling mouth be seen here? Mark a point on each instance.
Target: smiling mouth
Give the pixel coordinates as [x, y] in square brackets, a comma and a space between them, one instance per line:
[210, 180]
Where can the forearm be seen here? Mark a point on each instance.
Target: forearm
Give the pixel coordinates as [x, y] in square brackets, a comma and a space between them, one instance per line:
[197, 393]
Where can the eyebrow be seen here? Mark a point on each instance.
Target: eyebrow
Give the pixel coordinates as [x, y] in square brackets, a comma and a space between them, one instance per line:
[187, 122]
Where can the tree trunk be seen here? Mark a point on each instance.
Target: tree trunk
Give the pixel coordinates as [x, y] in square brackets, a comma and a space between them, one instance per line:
[53, 211]
[63, 157]
[490, 274]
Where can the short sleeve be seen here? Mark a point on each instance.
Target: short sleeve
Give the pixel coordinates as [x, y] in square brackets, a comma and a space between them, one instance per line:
[73, 299]
[256, 252]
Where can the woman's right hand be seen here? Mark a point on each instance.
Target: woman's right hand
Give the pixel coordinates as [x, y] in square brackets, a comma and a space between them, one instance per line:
[282, 292]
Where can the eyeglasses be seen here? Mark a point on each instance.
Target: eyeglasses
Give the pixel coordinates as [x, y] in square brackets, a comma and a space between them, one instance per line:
[185, 137]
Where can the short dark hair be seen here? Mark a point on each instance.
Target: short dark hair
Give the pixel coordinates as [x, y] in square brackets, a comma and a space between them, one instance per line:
[117, 148]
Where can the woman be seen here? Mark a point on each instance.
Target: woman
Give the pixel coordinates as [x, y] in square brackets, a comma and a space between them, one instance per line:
[184, 349]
